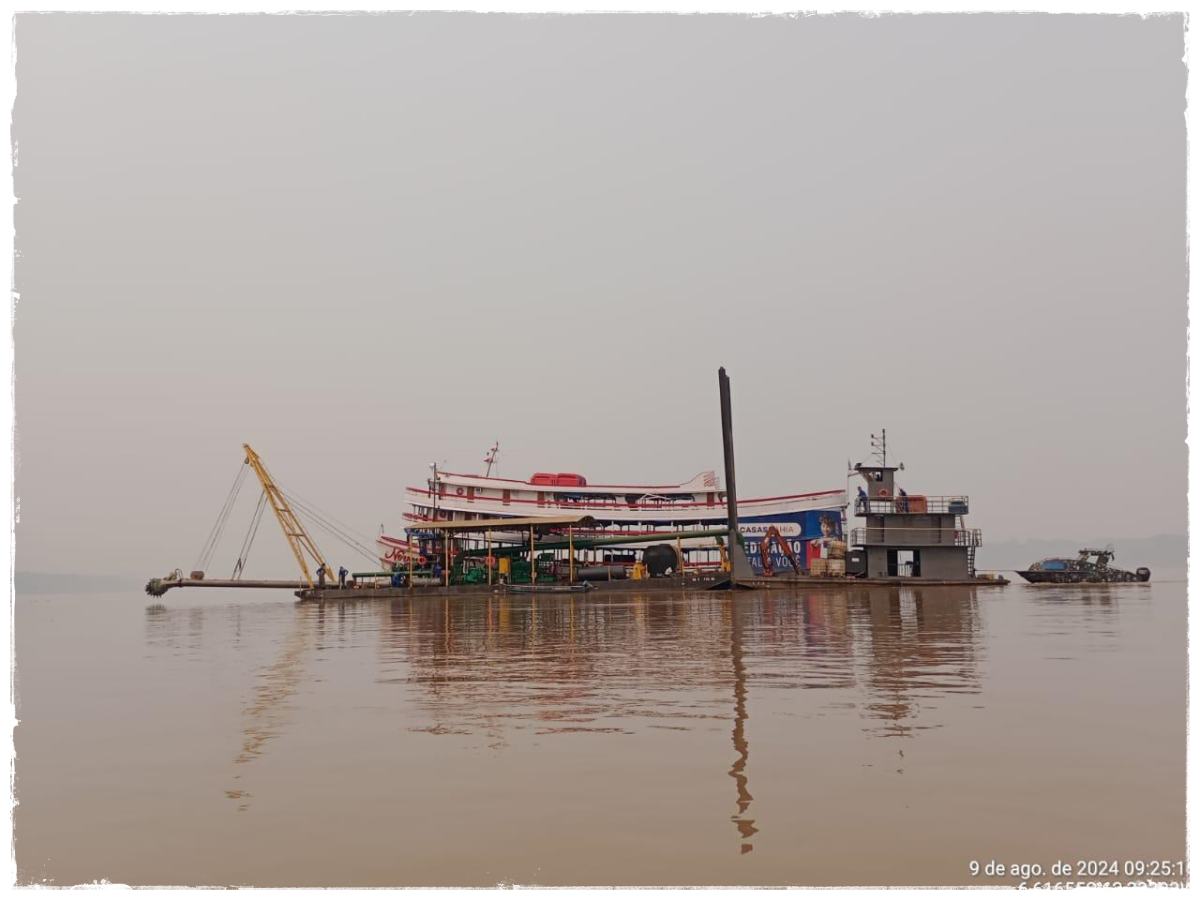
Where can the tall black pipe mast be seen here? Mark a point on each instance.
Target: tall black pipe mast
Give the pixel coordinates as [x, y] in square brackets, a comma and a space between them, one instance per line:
[727, 438]
[739, 564]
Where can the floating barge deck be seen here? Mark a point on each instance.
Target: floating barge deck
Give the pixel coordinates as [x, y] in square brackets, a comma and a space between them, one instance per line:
[701, 582]
[632, 586]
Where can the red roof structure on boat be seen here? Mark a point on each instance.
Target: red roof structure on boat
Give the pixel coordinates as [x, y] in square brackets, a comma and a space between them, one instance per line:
[560, 479]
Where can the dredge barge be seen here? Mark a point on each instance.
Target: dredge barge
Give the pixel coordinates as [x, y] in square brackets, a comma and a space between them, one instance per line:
[555, 532]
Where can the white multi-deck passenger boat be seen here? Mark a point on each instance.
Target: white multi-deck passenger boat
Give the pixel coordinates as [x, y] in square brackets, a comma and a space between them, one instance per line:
[809, 523]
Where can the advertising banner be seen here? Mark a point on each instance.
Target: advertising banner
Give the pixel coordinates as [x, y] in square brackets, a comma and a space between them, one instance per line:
[802, 536]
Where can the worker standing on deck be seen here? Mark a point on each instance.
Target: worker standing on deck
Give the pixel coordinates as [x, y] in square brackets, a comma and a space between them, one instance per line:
[321, 575]
[342, 573]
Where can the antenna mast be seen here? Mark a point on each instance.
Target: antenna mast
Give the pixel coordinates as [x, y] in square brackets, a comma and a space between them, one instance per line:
[490, 459]
[879, 446]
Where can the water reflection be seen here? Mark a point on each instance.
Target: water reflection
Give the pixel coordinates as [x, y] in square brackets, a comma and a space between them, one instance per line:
[1078, 619]
[621, 664]
[556, 664]
[923, 644]
[612, 663]
[578, 740]
[745, 825]
[499, 667]
[1098, 600]
[178, 629]
[265, 713]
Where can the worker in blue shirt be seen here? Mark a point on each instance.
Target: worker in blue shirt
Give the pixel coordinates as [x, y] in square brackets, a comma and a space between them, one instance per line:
[342, 573]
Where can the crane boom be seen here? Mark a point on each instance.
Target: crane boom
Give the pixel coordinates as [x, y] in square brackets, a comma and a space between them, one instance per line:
[297, 537]
[764, 550]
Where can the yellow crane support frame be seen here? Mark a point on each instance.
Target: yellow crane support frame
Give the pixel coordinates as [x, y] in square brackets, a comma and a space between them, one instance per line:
[297, 537]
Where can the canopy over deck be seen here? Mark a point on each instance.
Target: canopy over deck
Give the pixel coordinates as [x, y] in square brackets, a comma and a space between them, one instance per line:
[506, 523]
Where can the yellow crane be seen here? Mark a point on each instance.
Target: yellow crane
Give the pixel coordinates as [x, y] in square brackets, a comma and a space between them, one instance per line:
[302, 545]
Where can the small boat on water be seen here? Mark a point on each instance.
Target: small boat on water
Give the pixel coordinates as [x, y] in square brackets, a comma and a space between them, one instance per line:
[1089, 567]
[549, 588]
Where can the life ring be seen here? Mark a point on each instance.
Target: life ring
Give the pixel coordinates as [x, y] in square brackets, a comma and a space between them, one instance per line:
[883, 492]
[460, 492]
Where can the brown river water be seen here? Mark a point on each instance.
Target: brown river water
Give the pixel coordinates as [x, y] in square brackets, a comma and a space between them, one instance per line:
[872, 736]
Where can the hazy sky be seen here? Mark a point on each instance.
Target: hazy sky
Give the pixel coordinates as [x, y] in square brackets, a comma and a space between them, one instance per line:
[365, 242]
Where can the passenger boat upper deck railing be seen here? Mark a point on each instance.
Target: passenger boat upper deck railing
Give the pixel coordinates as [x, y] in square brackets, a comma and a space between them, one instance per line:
[915, 504]
[916, 537]
[564, 500]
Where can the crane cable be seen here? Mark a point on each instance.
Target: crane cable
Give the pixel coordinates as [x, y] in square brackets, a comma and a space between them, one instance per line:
[356, 547]
[342, 535]
[338, 529]
[214, 536]
[255, 521]
[313, 508]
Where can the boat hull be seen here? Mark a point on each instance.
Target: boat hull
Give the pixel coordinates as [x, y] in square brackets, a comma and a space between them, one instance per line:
[1113, 576]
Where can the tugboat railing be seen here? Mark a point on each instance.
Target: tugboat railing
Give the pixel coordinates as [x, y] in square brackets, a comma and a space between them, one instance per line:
[916, 537]
[913, 504]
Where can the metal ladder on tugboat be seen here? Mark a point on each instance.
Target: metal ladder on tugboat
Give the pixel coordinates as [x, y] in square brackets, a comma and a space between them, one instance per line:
[961, 526]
